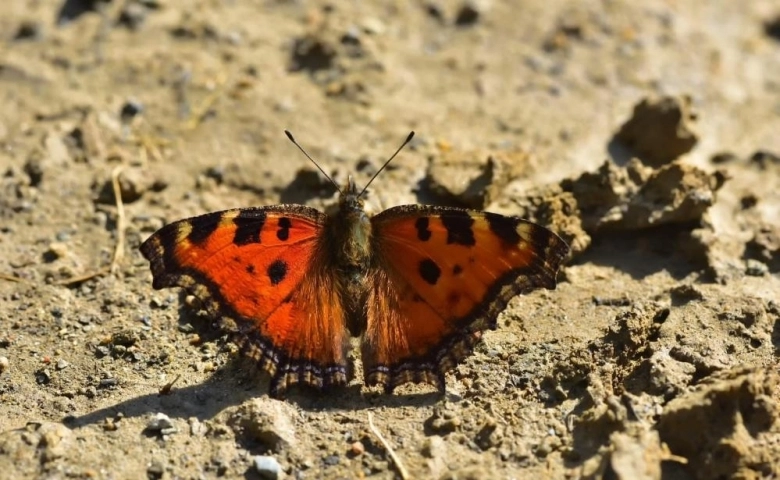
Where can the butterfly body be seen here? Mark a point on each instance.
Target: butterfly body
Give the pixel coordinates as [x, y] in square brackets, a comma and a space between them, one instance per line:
[418, 284]
[348, 232]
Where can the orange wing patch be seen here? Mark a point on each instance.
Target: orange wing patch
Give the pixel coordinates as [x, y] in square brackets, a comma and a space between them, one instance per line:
[259, 268]
[443, 276]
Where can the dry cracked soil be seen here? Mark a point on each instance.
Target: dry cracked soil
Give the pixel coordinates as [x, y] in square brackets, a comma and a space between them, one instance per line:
[647, 134]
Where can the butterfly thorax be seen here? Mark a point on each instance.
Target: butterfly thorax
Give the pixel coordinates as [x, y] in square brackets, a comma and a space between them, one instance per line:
[351, 228]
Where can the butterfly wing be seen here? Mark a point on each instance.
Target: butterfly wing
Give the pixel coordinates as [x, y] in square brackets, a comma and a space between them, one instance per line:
[443, 276]
[263, 271]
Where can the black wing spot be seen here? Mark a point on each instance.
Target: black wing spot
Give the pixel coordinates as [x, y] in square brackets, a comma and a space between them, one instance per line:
[284, 229]
[250, 269]
[505, 228]
[277, 271]
[457, 269]
[423, 233]
[203, 226]
[458, 225]
[429, 271]
[248, 223]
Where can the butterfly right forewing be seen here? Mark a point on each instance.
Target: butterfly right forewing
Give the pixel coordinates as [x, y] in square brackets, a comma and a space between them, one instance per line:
[443, 275]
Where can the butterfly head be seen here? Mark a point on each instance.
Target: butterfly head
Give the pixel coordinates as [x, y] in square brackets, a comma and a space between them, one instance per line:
[350, 199]
[354, 217]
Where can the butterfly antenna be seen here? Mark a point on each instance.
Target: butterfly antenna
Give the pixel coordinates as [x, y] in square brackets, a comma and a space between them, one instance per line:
[292, 139]
[408, 139]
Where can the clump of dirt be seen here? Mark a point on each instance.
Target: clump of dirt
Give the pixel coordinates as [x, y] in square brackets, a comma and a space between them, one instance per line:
[636, 197]
[619, 199]
[617, 443]
[765, 247]
[652, 190]
[36, 446]
[266, 425]
[727, 426]
[659, 130]
[474, 179]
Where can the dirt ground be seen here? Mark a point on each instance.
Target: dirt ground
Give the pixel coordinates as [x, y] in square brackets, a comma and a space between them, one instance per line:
[646, 133]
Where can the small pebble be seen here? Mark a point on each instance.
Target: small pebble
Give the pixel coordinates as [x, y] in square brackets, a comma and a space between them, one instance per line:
[4, 364]
[162, 424]
[100, 219]
[126, 338]
[267, 467]
[469, 13]
[55, 251]
[155, 470]
[357, 448]
[132, 16]
[197, 429]
[29, 30]
[373, 26]
[351, 37]
[43, 376]
[102, 351]
[146, 320]
[108, 382]
[754, 268]
[34, 170]
[446, 425]
[130, 109]
[185, 328]
[435, 11]
[433, 447]
[110, 425]
[89, 392]
[62, 364]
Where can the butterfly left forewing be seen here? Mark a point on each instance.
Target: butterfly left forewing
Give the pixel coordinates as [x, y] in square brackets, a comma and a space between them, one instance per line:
[443, 276]
[263, 271]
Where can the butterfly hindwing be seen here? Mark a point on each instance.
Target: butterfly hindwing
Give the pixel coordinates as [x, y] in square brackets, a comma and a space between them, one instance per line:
[443, 275]
[263, 269]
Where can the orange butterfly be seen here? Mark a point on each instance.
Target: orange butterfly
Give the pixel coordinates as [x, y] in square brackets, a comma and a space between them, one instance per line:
[417, 283]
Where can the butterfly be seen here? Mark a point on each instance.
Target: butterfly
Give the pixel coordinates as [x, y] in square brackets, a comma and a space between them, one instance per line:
[418, 284]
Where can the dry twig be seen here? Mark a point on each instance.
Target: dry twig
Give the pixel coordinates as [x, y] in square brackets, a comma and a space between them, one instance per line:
[11, 278]
[396, 460]
[83, 278]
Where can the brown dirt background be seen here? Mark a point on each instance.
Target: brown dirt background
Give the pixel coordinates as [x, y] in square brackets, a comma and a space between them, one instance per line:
[656, 357]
